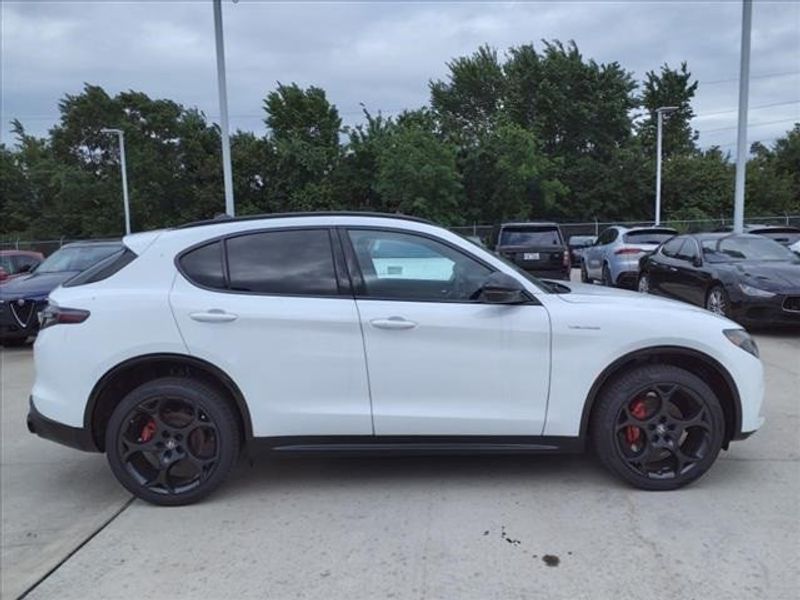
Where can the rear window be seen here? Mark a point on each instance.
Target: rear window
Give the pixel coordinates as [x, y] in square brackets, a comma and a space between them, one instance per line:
[203, 265]
[649, 236]
[530, 237]
[76, 258]
[786, 236]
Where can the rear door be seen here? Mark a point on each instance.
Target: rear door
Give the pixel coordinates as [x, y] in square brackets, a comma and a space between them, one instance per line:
[440, 362]
[690, 280]
[274, 311]
[594, 256]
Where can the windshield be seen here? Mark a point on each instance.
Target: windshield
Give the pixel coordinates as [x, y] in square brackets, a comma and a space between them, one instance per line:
[530, 237]
[581, 240]
[649, 236]
[75, 258]
[734, 249]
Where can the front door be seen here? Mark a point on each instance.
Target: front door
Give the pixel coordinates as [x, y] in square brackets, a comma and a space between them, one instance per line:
[439, 361]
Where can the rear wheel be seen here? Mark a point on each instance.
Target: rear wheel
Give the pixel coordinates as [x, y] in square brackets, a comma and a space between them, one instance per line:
[607, 281]
[717, 301]
[172, 441]
[658, 427]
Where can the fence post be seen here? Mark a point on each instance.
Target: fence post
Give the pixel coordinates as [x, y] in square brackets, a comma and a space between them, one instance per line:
[596, 227]
[16, 245]
[61, 241]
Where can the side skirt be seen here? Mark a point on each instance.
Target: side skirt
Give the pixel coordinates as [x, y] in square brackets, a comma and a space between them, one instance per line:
[419, 445]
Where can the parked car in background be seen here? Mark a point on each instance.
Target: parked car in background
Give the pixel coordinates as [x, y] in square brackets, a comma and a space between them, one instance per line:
[538, 248]
[197, 341]
[614, 258]
[577, 244]
[745, 277]
[14, 263]
[23, 297]
[785, 235]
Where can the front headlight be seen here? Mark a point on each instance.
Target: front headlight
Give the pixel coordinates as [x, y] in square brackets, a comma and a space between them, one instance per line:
[754, 291]
[739, 337]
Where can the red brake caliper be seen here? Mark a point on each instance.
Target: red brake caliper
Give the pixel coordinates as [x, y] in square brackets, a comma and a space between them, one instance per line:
[639, 411]
[148, 431]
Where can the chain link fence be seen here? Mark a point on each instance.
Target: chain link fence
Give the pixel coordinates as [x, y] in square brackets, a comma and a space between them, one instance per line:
[483, 232]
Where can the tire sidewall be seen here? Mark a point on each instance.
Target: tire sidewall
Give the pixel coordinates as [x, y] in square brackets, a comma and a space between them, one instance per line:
[621, 391]
[215, 407]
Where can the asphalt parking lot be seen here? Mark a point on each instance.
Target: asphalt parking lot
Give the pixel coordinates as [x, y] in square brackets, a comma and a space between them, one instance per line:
[449, 527]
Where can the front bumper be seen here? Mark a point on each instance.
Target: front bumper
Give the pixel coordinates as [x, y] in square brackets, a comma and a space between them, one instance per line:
[20, 321]
[766, 311]
[74, 437]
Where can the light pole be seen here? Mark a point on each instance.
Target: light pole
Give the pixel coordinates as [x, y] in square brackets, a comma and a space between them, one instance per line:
[661, 111]
[741, 134]
[227, 171]
[121, 136]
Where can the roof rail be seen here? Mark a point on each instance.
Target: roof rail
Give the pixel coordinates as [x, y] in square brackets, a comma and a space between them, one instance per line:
[225, 218]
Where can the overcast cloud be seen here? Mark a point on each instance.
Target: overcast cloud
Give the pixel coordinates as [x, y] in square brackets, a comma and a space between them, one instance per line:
[381, 54]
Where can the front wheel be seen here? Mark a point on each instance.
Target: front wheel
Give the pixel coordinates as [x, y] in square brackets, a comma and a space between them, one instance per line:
[607, 281]
[658, 427]
[172, 441]
[717, 301]
[644, 284]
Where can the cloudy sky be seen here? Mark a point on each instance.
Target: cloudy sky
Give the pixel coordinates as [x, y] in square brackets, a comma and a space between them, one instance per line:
[381, 54]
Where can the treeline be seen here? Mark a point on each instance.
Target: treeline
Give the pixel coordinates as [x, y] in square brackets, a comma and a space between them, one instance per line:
[532, 134]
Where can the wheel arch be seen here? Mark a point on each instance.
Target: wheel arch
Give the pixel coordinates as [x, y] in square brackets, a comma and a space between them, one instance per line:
[694, 361]
[129, 374]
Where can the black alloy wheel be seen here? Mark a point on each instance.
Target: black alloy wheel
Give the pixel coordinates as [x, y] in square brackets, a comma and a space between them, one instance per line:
[659, 427]
[172, 441]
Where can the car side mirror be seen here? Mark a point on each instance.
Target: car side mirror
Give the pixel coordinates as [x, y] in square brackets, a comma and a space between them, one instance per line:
[501, 288]
[25, 269]
[697, 261]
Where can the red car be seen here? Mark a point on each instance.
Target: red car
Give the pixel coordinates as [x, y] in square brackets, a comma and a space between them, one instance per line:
[18, 262]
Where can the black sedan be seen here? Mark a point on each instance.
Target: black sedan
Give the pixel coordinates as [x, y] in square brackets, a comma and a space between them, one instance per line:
[22, 298]
[748, 278]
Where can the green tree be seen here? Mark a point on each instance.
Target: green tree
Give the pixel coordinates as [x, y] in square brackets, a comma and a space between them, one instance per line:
[669, 87]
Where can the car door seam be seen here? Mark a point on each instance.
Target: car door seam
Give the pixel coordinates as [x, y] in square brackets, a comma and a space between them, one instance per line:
[366, 365]
[172, 312]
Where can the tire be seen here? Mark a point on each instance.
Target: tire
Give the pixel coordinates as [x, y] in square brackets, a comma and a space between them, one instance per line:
[585, 274]
[717, 301]
[607, 281]
[679, 421]
[178, 422]
[643, 285]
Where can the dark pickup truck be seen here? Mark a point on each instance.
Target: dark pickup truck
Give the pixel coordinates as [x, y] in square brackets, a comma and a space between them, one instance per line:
[538, 248]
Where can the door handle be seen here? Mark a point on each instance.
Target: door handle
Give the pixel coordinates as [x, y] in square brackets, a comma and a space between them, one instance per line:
[214, 315]
[673, 268]
[393, 323]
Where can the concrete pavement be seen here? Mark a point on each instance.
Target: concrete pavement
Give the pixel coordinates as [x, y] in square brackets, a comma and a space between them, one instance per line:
[462, 527]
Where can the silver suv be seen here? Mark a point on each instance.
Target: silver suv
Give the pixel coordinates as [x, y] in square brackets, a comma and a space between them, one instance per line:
[614, 257]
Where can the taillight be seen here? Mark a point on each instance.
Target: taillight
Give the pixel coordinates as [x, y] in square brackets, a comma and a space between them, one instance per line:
[627, 251]
[565, 259]
[59, 315]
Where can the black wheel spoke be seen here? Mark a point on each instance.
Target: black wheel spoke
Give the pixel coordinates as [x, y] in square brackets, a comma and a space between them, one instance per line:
[161, 479]
[698, 420]
[131, 448]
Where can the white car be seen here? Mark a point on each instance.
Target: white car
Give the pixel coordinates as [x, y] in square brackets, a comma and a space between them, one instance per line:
[314, 332]
[795, 247]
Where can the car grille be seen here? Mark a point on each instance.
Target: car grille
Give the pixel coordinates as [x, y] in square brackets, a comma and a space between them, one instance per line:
[23, 311]
[792, 303]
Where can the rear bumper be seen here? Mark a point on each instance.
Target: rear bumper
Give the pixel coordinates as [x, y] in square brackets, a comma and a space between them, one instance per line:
[74, 437]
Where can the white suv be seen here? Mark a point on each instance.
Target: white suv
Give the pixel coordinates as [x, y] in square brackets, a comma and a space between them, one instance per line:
[360, 332]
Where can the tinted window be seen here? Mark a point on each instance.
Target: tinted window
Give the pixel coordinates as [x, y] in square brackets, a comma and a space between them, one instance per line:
[608, 236]
[732, 249]
[648, 236]
[689, 250]
[203, 265]
[530, 237]
[672, 247]
[411, 267]
[104, 269]
[787, 236]
[282, 262]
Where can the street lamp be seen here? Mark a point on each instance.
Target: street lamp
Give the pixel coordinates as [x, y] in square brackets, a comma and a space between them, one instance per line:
[121, 136]
[661, 111]
[227, 171]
